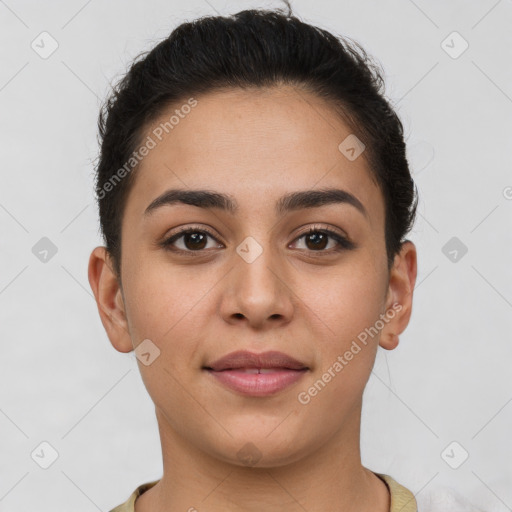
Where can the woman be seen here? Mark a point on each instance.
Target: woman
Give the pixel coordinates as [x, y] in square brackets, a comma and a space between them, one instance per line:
[254, 196]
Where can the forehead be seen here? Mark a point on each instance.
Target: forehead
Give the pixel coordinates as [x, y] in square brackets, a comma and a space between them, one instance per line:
[255, 145]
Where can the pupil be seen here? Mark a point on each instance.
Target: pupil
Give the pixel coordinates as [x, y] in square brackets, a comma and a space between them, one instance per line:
[318, 237]
[196, 238]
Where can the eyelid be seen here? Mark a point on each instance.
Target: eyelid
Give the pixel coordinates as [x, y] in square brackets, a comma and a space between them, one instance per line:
[190, 228]
[323, 227]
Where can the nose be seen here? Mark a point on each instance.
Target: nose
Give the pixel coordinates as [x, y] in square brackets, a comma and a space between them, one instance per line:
[258, 292]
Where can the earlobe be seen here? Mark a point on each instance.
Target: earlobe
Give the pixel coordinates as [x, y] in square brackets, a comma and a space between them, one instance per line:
[389, 341]
[400, 295]
[107, 293]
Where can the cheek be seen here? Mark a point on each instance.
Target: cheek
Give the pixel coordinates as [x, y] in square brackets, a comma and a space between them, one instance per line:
[171, 306]
[344, 304]
[344, 309]
[164, 301]
[167, 308]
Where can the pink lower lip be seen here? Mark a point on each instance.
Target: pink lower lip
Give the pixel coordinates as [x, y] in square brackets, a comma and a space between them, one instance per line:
[258, 384]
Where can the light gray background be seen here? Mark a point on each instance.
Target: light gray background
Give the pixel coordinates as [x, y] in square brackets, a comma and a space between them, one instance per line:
[449, 379]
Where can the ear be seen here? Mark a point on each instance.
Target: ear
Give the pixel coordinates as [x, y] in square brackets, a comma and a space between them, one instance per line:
[399, 295]
[109, 298]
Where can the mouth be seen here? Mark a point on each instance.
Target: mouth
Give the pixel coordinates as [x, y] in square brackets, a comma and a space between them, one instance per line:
[244, 359]
[252, 374]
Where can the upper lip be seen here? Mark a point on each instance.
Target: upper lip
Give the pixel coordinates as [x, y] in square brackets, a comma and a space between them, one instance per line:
[245, 359]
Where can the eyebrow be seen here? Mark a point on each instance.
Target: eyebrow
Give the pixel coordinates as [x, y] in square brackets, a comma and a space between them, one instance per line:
[289, 202]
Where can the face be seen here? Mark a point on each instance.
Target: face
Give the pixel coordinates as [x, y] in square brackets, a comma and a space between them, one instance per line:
[304, 277]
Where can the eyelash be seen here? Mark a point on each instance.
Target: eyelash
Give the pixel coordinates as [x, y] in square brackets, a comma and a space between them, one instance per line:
[343, 243]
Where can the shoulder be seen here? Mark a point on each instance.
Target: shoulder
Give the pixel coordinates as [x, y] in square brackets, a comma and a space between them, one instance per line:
[402, 499]
[129, 504]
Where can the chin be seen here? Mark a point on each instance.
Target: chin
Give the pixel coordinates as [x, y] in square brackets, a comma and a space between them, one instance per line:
[259, 450]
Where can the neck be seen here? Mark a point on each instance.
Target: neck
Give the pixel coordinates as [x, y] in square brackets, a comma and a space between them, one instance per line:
[330, 477]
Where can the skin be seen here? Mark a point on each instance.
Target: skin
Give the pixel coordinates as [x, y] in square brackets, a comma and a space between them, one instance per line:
[255, 146]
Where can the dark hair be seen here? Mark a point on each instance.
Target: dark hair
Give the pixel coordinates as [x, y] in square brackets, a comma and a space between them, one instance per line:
[253, 48]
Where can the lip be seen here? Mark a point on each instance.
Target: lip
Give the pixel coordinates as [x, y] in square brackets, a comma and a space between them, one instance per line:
[254, 374]
[246, 359]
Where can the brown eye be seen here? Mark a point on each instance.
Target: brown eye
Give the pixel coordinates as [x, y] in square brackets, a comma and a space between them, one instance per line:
[194, 241]
[191, 239]
[317, 240]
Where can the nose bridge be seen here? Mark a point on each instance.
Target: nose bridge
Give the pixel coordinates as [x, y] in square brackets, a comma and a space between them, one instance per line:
[258, 290]
[256, 270]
